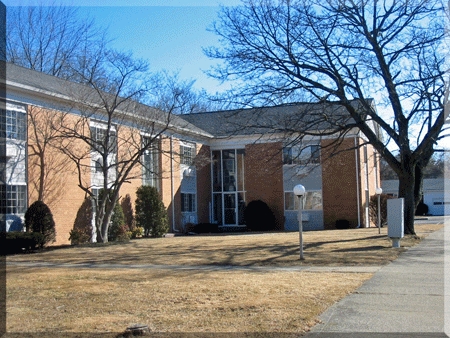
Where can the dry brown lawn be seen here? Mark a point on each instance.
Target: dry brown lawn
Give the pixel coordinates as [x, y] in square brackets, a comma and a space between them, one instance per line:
[62, 300]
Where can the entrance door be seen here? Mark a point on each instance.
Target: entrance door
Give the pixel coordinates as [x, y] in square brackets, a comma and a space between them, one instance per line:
[228, 186]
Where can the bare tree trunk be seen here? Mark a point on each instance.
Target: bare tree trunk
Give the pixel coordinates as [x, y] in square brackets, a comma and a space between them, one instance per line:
[406, 191]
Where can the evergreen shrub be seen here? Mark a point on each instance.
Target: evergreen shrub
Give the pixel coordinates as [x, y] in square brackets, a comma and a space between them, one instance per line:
[259, 217]
[17, 242]
[39, 218]
[117, 228]
[150, 212]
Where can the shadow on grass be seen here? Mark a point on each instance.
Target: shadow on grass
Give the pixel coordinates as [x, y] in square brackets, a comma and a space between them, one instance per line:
[214, 250]
[367, 248]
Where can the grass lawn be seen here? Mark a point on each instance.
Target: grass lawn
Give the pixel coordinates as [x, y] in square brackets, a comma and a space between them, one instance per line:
[107, 299]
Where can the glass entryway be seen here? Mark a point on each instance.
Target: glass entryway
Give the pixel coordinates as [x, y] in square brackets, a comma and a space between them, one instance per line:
[228, 187]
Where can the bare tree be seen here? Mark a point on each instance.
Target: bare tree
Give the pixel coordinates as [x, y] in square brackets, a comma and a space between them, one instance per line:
[52, 39]
[171, 93]
[345, 52]
[109, 131]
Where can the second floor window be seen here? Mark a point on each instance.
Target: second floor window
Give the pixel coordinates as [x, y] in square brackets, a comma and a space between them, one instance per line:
[100, 142]
[302, 155]
[187, 202]
[150, 160]
[13, 124]
[187, 153]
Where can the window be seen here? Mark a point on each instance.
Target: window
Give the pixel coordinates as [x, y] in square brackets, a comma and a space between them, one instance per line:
[94, 200]
[301, 155]
[150, 162]
[314, 151]
[98, 135]
[3, 162]
[98, 166]
[440, 202]
[187, 153]
[290, 201]
[13, 199]
[13, 124]
[188, 203]
[311, 201]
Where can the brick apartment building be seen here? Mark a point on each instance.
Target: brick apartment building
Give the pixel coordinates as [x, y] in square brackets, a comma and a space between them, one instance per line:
[208, 166]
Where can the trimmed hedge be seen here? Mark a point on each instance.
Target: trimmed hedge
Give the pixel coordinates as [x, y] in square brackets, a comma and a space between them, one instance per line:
[17, 242]
[259, 217]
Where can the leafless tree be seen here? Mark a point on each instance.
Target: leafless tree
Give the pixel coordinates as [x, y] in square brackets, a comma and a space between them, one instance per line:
[347, 51]
[171, 93]
[52, 39]
[104, 136]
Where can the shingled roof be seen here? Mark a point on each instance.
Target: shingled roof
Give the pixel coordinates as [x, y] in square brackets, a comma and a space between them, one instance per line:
[288, 117]
[52, 86]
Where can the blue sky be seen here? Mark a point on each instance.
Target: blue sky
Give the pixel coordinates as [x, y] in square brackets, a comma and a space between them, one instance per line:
[169, 34]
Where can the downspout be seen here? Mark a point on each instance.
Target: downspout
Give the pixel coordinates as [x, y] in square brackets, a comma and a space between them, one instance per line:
[172, 193]
[357, 181]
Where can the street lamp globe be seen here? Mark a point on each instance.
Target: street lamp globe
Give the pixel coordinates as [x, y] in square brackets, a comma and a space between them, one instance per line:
[299, 190]
[378, 191]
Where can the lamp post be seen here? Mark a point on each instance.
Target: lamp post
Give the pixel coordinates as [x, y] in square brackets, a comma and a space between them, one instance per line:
[379, 191]
[299, 191]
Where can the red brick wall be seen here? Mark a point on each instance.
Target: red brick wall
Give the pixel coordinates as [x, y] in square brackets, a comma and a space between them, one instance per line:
[339, 183]
[264, 177]
[129, 143]
[63, 195]
[203, 166]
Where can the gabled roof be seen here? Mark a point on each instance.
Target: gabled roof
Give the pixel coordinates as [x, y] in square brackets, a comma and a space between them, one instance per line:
[57, 88]
[315, 117]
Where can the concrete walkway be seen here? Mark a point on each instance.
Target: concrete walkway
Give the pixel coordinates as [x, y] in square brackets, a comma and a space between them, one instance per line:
[409, 297]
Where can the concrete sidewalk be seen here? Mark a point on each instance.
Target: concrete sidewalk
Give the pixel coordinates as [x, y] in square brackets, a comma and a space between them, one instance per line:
[403, 299]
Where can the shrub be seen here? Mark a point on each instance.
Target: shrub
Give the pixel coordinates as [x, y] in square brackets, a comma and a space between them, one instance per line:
[258, 216]
[137, 232]
[342, 224]
[123, 234]
[16, 242]
[117, 223]
[201, 228]
[150, 212]
[373, 209]
[38, 218]
[78, 236]
[422, 209]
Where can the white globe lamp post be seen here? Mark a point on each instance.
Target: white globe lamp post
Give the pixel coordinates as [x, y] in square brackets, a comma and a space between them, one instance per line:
[378, 192]
[299, 191]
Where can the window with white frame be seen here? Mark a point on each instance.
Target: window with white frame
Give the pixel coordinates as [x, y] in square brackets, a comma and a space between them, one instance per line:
[187, 153]
[98, 166]
[13, 124]
[312, 200]
[13, 199]
[103, 153]
[150, 161]
[188, 202]
[102, 142]
[302, 155]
